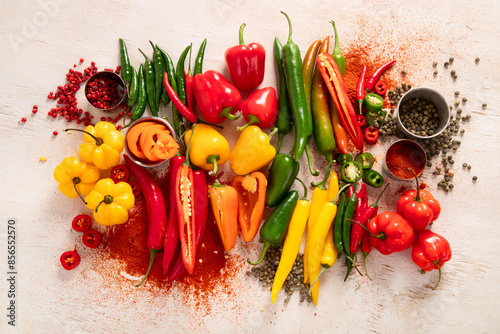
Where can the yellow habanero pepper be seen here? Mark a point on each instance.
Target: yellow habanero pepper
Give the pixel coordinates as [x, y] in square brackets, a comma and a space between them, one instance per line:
[102, 145]
[252, 151]
[208, 147]
[110, 202]
[292, 243]
[75, 177]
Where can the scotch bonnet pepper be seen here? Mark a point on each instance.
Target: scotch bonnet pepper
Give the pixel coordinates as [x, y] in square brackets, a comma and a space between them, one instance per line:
[75, 177]
[390, 232]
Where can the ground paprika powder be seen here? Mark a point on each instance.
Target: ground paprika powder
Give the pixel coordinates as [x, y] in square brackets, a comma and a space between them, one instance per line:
[405, 158]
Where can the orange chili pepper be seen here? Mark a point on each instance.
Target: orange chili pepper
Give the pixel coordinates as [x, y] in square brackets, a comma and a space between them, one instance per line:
[224, 202]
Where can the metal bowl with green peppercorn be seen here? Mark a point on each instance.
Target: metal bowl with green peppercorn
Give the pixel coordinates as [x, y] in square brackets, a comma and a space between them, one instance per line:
[423, 113]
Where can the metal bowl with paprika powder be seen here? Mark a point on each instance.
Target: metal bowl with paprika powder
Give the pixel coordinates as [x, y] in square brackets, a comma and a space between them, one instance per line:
[404, 158]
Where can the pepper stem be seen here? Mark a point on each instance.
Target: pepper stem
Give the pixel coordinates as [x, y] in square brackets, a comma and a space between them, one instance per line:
[280, 140]
[321, 184]
[212, 159]
[289, 41]
[305, 188]
[418, 198]
[439, 279]
[153, 253]
[189, 143]
[381, 235]
[226, 112]
[98, 141]
[77, 180]
[337, 46]
[365, 254]
[145, 57]
[241, 34]
[323, 269]
[273, 132]
[252, 119]
[379, 196]
[264, 251]
[309, 162]
[108, 199]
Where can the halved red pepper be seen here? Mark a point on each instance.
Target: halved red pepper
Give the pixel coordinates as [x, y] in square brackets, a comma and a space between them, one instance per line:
[260, 108]
[371, 134]
[81, 223]
[216, 97]
[119, 173]
[70, 260]
[333, 79]
[91, 238]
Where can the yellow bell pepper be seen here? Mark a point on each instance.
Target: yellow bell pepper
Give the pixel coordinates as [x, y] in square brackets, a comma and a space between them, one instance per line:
[102, 145]
[208, 148]
[252, 151]
[110, 202]
[75, 177]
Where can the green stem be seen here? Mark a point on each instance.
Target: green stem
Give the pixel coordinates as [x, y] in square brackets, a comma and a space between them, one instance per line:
[309, 162]
[365, 254]
[98, 141]
[289, 41]
[77, 180]
[379, 196]
[153, 253]
[264, 251]
[280, 140]
[226, 112]
[212, 159]
[439, 279]
[145, 57]
[322, 183]
[337, 46]
[323, 269]
[305, 188]
[108, 199]
[241, 34]
[381, 236]
[418, 198]
[273, 132]
[252, 119]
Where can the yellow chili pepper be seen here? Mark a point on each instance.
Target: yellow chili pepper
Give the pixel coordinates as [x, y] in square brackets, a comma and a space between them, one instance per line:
[329, 255]
[110, 202]
[75, 177]
[333, 187]
[102, 145]
[208, 147]
[292, 244]
[252, 151]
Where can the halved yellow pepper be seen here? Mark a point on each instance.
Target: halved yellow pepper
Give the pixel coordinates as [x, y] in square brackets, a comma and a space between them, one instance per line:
[102, 145]
[208, 148]
[75, 177]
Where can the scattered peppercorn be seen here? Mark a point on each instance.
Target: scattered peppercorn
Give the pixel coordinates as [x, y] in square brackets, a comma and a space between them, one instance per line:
[484, 105]
[477, 59]
[403, 72]
[435, 72]
[452, 59]
[446, 64]
[464, 100]
[453, 72]
[474, 178]
[434, 64]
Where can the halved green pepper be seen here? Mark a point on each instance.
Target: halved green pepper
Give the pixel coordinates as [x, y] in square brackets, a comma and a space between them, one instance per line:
[343, 158]
[351, 171]
[366, 160]
[373, 102]
[375, 118]
[373, 178]
[283, 172]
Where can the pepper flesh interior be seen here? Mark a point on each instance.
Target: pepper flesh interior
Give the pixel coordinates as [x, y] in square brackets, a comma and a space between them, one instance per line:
[351, 171]
[185, 191]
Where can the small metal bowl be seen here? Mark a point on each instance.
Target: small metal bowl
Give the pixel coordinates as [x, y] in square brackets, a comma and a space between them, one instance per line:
[408, 152]
[439, 102]
[121, 88]
[132, 156]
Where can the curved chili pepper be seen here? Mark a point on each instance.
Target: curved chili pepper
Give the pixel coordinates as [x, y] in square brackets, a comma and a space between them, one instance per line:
[285, 117]
[157, 212]
[360, 88]
[125, 62]
[179, 76]
[307, 73]
[159, 70]
[338, 129]
[133, 89]
[376, 75]
[142, 99]
[179, 105]
[149, 75]
[198, 63]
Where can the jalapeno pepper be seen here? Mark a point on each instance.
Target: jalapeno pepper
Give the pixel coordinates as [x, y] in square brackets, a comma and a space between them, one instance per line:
[366, 160]
[351, 171]
[373, 178]
[375, 118]
[283, 172]
[343, 158]
[371, 134]
[373, 102]
[126, 72]
[149, 75]
[133, 89]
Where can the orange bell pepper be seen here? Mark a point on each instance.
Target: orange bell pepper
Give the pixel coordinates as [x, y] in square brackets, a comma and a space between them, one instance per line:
[251, 190]
[224, 202]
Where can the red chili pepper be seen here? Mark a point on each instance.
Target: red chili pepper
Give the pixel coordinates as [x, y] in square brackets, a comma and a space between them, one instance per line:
[431, 251]
[360, 88]
[81, 223]
[260, 108]
[201, 216]
[246, 63]
[333, 80]
[91, 238]
[216, 97]
[135, 188]
[156, 209]
[381, 88]
[120, 173]
[70, 260]
[371, 134]
[188, 79]
[389, 232]
[419, 207]
[181, 107]
[361, 120]
[376, 75]
[172, 230]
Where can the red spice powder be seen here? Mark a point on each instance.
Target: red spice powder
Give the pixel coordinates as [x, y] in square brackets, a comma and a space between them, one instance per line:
[402, 159]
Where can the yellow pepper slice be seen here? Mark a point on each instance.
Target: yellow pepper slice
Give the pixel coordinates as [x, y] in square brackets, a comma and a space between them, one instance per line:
[75, 177]
[110, 202]
[208, 148]
[102, 145]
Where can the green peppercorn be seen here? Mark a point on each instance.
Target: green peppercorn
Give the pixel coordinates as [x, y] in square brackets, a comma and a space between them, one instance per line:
[434, 64]
[477, 60]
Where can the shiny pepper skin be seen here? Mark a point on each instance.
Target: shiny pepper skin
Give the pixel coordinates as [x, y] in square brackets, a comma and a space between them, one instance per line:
[392, 233]
[419, 207]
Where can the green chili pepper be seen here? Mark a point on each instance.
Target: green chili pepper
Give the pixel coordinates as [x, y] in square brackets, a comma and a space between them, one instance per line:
[366, 160]
[133, 90]
[170, 69]
[337, 55]
[351, 171]
[350, 207]
[375, 118]
[283, 172]
[273, 231]
[198, 63]
[373, 178]
[125, 71]
[343, 158]
[159, 69]
[373, 102]
[337, 225]
[140, 106]
[179, 77]
[149, 75]
[285, 117]
[292, 62]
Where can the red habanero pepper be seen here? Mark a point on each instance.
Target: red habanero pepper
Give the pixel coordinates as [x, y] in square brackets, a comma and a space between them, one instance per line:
[419, 207]
[181, 107]
[216, 97]
[360, 89]
[430, 251]
[119, 173]
[389, 232]
[156, 209]
[246, 63]
[376, 75]
[172, 228]
[81, 223]
[371, 134]
[91, 238]
[260, 108]
[381, 88]
[70, 260]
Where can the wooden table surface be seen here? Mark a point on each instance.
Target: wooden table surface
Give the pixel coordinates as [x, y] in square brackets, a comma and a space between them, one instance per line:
[40, 41]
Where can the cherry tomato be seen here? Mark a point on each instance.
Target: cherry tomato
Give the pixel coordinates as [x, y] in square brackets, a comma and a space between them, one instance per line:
[371, 134]
[120, 173]
[91, 238]
[81, 223]
[361, 120]
[380, 88]
[135, 188]
[70, 260]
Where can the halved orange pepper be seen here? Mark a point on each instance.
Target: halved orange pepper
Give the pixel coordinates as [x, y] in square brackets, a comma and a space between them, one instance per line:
[165, 146]
[134, 136]
[251, 190]
[148, 133]
[224, 202]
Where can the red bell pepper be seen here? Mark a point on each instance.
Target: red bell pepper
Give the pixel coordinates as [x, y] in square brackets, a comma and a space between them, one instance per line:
[216, 97]
[246, 63]
[371, 134]
[333, 80]
[260, 108]
[389, 232]
[431, 251]
[419, 207]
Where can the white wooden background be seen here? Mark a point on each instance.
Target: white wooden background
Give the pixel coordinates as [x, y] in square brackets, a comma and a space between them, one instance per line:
[41, 40]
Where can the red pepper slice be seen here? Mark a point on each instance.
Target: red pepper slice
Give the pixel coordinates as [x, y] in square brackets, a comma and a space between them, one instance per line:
[381, 88]
[361, 120]
[135, 188]
[120, 173]
[81, 223]
[91, 238]
[70, 260]
[371, 135]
